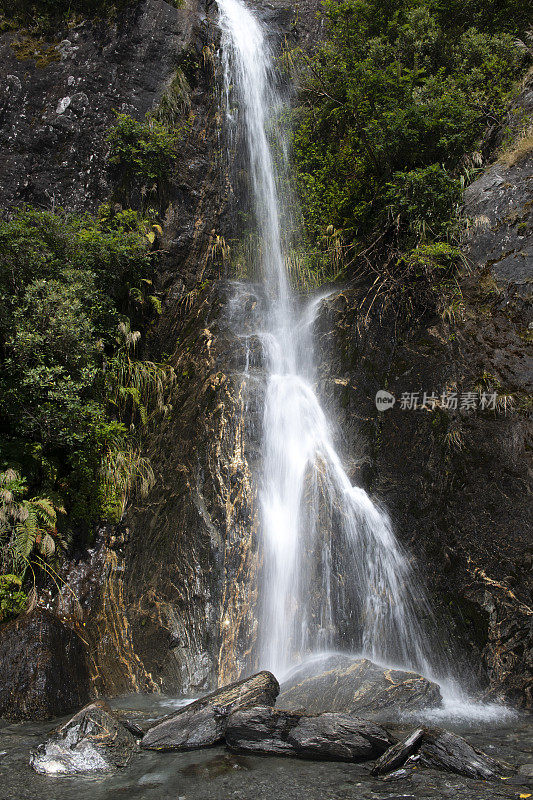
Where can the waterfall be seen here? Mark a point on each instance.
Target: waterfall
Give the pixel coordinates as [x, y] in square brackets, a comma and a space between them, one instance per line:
[334, 575]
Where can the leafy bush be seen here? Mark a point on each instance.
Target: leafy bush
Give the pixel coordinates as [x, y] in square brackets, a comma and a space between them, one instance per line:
[142, 157]
[25, 525]
[12, 598]
[68, 403]
[427, 196]
[390, 103]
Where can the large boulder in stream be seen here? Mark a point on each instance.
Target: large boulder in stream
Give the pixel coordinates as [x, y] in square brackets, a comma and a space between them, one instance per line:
[344, 684]
[203, 722]
[94, 740]
[43, 667]
[331, 737]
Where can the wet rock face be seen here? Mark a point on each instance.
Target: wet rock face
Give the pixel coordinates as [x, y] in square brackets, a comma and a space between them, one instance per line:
[457, 483]
[499, 205]
[337, 737]
[43, 667]
[358, 686]
[203, 722]
[151, 615]
[94, 740]
[55, 114]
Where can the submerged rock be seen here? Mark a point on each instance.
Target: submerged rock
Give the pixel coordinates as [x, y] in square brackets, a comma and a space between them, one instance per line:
[332, 737]
[357, 686]
[203, 722]
[450, 752]
[43, 667]
[94, 740]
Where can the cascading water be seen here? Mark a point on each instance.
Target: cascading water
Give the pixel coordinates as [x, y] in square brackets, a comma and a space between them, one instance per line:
[334, 575]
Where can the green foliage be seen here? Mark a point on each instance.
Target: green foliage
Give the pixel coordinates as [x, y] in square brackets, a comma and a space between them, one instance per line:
[136, 388]
[72, 395]
[142, 157]
[63, 281]
[175, 102]
[46, 16]
[423, 200]
[390, 104]
[12, 598]
[26, 525]
[426, 279]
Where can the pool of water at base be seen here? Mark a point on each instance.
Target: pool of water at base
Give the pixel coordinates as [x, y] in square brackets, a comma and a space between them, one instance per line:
[216, 774]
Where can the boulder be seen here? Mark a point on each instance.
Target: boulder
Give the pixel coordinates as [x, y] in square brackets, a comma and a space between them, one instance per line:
[397, 755]
[94, 740]
[203, 722]
[450, 752]
[330, 737]
[344, 684]
[43, 667]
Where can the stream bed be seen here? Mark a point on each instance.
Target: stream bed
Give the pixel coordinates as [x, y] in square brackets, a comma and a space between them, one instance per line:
[216, 774]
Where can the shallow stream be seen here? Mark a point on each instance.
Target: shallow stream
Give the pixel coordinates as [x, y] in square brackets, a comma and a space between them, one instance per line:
[216, 774]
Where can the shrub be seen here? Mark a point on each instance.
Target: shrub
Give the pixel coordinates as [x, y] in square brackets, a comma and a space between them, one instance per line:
[390, 103]
[142, 157]
[12, 598]
[71, 396]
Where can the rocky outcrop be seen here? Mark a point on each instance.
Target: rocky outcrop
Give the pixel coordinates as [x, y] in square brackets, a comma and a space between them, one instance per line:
[450, 752]
[499, 203]
[456, 481]
[43, 665]
[150, 613]
[55, 112]
[360, 687]
[336, 737]
[203, 722]
[94, 740]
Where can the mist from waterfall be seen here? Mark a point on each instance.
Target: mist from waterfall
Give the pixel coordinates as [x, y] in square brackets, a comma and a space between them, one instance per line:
[334, 575]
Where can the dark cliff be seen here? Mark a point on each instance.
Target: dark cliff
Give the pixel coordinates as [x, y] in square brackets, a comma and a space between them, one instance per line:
[456, 481]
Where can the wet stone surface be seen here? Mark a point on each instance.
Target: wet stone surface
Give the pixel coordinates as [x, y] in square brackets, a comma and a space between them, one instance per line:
[216, 774]
[357, 686]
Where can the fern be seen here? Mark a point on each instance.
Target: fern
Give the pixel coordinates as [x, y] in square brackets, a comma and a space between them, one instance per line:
[25, 525]
[124, 472]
